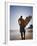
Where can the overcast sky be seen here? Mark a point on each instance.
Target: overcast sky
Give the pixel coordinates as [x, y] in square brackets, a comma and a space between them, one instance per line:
[16, 12]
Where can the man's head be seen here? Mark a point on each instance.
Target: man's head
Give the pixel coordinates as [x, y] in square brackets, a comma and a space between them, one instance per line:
[21, 17]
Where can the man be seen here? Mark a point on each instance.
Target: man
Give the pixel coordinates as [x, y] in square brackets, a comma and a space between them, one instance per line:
[22, 30]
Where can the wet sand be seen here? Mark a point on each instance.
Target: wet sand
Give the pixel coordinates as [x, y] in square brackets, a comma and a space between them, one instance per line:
[17, 36]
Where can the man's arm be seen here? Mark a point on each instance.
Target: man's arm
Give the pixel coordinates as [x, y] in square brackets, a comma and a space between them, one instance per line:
[19, 22]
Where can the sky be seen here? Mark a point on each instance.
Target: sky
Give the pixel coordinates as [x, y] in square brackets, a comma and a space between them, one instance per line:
[16, 12]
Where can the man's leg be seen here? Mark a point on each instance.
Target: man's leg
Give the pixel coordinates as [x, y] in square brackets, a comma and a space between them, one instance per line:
[22, 35]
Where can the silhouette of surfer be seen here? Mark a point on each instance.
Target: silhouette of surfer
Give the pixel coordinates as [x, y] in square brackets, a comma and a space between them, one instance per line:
[22, 28]
[23, 24]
